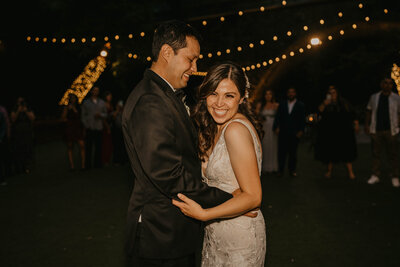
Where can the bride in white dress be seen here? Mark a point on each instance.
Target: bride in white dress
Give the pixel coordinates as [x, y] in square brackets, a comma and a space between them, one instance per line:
[230, 148]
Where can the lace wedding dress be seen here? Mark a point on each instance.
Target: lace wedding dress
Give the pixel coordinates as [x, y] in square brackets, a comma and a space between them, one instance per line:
[239, 241]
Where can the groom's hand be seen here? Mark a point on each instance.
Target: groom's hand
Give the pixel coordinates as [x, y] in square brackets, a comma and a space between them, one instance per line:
[236, 192]
[252, 213]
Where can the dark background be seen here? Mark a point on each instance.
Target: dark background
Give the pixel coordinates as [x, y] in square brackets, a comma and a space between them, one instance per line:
[355, 62]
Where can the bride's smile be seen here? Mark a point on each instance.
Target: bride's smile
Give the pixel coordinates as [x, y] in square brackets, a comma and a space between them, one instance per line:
[224, 102]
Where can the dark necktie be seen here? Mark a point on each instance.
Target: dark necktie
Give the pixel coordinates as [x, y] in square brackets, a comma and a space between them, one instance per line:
[180, 94]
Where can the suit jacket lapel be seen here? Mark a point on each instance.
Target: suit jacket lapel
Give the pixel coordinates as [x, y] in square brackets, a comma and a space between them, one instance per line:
[176, 102]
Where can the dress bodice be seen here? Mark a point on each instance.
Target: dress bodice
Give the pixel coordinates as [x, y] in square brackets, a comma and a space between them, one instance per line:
[219, 172]
[266, 113]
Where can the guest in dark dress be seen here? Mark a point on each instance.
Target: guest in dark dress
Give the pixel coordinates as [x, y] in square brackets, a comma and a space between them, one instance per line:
[336, 141]
[119, 153]
[106, 143]
[22, 118]
[73, 131]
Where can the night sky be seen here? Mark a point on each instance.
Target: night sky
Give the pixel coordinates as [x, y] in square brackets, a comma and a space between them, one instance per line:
[355, 62]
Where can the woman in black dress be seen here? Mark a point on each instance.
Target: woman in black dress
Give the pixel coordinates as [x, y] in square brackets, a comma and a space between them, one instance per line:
[336, 141]
[73, 131]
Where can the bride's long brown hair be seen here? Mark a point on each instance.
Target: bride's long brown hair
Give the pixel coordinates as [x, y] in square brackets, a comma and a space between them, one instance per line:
[206, 126]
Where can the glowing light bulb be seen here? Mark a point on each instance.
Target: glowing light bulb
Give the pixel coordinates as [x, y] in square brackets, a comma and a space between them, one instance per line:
[315, 41]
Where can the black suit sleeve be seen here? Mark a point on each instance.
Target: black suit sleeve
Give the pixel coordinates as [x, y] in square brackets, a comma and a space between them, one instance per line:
[302, 117]
[153, 131]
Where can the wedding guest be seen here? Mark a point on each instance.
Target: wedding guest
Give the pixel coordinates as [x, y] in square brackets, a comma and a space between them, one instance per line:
[289, 124]
[73, 131]
[267, 109]
[119, 153]
[3, 137]
[336, 141]
[22, 118]
[382, 123]
[94, 111]
[107, 144]
[7, 159]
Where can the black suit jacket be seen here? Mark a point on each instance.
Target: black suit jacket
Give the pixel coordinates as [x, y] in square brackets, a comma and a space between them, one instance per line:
[161, 142]
[290, 124]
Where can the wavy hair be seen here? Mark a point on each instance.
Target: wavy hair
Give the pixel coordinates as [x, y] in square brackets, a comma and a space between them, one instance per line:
[206, 126]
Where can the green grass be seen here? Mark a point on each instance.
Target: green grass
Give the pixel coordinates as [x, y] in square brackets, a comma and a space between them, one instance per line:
[53, 217]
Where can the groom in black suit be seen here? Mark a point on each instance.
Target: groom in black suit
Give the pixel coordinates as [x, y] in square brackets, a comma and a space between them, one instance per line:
[289, 125]
[161, 142]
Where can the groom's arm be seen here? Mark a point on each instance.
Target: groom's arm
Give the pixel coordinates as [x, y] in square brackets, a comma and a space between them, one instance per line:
[152, 129]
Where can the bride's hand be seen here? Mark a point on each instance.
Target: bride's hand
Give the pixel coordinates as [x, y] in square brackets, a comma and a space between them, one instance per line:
[190, 208]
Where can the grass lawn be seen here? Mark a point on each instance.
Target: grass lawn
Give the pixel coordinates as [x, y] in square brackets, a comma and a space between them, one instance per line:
[53, 217]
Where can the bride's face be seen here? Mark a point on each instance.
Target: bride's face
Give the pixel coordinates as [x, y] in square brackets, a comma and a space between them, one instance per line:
[224, 102]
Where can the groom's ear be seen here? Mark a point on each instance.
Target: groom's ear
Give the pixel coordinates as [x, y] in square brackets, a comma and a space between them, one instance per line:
[166, 52]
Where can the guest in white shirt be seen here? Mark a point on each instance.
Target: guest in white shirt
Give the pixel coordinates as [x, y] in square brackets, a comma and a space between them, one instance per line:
[382, 123]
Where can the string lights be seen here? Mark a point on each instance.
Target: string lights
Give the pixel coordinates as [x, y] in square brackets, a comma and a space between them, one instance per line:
[85, 81]
[315, 41]
[396, 76]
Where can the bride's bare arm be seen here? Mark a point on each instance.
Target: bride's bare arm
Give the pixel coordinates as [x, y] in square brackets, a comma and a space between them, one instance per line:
[243, 158]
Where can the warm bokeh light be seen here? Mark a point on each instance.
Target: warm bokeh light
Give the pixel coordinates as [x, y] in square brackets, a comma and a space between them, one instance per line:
[315, 41]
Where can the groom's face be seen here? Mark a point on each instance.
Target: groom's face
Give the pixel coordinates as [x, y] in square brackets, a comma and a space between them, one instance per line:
[183, 63]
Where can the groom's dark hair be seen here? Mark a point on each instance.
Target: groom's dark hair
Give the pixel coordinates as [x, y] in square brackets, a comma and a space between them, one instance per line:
[172, 33]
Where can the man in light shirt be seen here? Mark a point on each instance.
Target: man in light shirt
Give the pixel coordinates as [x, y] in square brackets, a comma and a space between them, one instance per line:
[94, 111]
[382, 123]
